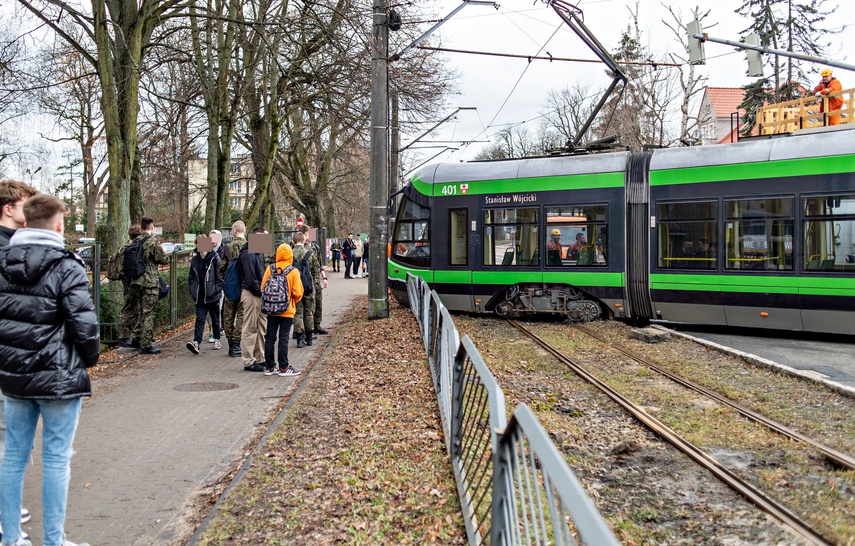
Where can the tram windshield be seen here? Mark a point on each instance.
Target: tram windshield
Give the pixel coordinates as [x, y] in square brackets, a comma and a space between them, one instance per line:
[411, 241]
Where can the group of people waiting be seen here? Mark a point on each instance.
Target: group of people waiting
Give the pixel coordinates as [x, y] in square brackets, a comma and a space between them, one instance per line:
[251, 333]
[354, 252]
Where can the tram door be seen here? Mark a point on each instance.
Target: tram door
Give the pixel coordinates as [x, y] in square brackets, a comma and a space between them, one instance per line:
[457, 277]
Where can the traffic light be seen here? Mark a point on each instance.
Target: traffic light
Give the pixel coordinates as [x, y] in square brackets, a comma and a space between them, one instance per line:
[696, 45]
[755, 58]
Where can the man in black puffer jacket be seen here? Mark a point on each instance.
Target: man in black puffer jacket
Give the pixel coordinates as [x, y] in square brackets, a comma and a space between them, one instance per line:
[50, 337]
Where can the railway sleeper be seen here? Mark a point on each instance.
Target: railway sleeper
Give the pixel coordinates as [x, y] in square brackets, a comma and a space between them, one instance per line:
[563, 300]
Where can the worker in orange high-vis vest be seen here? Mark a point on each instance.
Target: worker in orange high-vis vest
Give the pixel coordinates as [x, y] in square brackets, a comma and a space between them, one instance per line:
[827, 85]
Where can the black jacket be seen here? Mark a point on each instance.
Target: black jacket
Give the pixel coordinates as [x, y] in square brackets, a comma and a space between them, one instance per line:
[5, 235]
[48, 324]
[251, 270]
[205, 272]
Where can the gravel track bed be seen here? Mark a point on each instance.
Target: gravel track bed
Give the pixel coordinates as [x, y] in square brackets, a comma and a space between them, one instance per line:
[648, 491]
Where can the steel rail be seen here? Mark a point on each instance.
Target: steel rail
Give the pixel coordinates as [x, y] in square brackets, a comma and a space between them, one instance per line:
[839, 458]
[754, 495]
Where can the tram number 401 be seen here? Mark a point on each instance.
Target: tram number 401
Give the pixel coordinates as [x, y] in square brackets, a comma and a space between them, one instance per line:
[454, 189]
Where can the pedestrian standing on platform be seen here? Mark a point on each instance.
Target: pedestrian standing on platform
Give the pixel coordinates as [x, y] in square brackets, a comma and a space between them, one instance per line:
[232, 312]
[320, 283]
[357, 256]
[206, 289]
[365, 258]
[251, 266]
[347, 250]
[217, 242]
[144, 288]
[13, 195]
[304, 319]
[335, 248]
[50, 337]
[130, 314]
[279, 324]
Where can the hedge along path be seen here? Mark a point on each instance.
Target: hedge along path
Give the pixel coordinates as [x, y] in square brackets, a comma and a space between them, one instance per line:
[358, 457]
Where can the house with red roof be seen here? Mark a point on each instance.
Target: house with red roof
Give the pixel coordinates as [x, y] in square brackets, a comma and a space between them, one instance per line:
[719, 113]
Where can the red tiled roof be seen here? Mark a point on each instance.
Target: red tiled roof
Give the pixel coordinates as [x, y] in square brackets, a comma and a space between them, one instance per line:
[726, 100]
[732, 136]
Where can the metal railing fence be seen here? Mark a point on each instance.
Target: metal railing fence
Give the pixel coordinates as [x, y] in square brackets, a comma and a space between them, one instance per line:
[108, 296]
[513, 483]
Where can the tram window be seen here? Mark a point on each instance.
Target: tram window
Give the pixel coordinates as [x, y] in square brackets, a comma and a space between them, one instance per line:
[458, 241]
[829, 233]
[510, 237]
[411, 241]
[759, 234]
[686, 234]
[576, 236]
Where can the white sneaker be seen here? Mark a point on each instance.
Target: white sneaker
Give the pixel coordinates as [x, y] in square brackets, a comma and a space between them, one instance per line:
[25, 515]
[23, 540]
[69, 543]
[217, 344]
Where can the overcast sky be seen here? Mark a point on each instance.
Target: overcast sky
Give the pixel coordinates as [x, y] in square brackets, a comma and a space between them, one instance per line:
[511, 91]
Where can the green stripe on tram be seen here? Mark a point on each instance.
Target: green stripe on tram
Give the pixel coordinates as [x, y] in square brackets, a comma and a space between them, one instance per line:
[528, 185]
[784, 168]
[808, 285]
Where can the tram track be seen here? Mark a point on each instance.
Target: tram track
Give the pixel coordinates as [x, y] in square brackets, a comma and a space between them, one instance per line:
[744, 488]
[840, 459]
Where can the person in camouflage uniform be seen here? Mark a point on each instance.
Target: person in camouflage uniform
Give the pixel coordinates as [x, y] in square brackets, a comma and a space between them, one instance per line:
[304, 320]
[232, 312]
[144, 289]
[130, 314]
[320, 282]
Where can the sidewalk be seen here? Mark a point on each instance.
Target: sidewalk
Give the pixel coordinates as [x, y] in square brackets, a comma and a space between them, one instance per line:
[155, 439]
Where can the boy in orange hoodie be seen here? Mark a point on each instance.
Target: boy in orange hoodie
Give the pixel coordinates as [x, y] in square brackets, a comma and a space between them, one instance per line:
[279, 325]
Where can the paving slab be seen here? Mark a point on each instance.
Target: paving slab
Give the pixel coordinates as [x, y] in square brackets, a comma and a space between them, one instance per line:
[156, 437]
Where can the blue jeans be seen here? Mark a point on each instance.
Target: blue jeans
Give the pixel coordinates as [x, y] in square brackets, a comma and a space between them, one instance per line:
[278, 329]
[59, 422]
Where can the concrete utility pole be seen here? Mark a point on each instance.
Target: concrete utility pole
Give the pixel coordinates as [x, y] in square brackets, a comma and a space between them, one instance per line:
[378, 298]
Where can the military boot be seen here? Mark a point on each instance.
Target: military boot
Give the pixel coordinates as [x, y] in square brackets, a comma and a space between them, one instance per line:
[301, 341]
[234, 348]
[309, 338]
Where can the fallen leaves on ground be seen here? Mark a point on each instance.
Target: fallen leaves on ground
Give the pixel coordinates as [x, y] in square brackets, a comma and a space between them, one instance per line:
[358, 457]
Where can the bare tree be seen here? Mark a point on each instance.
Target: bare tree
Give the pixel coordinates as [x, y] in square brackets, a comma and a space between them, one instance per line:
[67, 88]
[690, 83]
[566, 110]
[117, 37]
[642, 114]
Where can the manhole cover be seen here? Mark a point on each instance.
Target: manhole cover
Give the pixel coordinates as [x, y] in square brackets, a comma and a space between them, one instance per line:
[209, 386]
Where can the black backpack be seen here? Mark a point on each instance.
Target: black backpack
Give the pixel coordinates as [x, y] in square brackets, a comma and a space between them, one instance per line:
[276, 295]
[133, 264]
[305, 273]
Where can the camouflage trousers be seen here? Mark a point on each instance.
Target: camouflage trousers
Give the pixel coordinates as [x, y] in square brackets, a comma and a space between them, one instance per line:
[319, 306]
[145, 300]
[304, 320]
[130, 316]
[232, 319]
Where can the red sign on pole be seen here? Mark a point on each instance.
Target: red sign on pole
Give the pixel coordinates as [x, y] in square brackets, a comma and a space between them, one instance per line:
[299, 222]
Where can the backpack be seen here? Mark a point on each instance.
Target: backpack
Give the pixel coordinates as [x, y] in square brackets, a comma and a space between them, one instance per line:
[306, 273]
[275, 296]
[115, 266]
[232, 285]
[133, 264]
